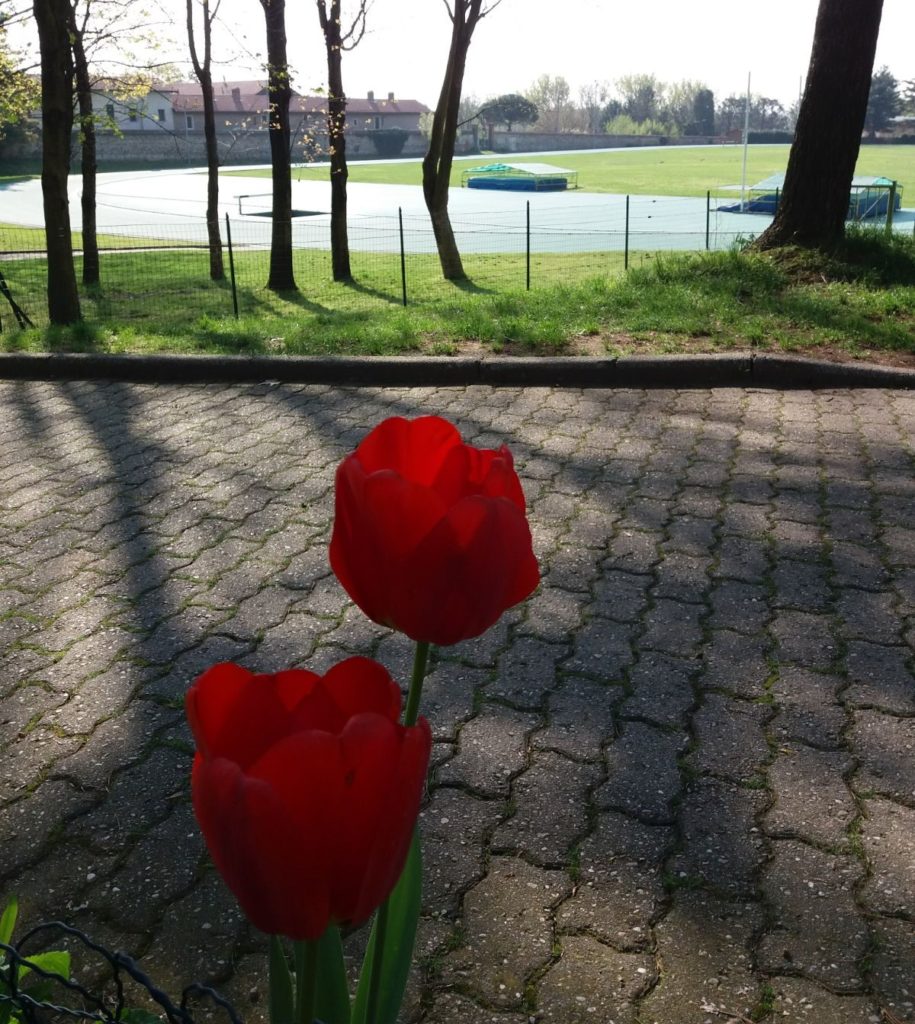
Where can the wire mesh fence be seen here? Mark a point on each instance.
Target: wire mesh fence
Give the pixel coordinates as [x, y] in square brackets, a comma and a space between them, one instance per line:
[161, 273]
[32, 992]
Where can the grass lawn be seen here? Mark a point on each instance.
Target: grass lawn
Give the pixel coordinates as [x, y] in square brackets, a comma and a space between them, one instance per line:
[674, 171]
[860, 304]
[14, 238]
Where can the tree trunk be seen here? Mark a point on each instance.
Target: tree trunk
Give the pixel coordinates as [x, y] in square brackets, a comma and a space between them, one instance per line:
[91, 270]
[52, 18]
[440, 155]
[217, 270]
[821, 165]
[281, 276]
[202, 69]
[336, 130]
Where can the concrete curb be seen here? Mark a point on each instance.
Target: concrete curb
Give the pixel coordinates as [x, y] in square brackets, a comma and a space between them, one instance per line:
[678, 371]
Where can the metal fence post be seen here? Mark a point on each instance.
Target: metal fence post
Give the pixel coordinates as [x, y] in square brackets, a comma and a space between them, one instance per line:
[403, 256]
[626, 243]
[528, 246]
[708, 215]
[231, 266]
[890, 209]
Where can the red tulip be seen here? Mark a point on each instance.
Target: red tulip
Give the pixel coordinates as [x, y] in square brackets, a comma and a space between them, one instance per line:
[430, 535]
[306, 789]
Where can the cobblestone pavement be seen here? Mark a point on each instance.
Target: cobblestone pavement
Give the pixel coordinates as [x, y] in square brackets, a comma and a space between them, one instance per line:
[676, 786]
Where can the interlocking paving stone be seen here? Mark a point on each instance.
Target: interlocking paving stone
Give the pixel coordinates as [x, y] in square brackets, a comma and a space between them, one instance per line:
[526, 673]
[27, 825]
[893, 966]
[721, 842]
[661, 688]
[817, 928]
[620, 888]
[602, 648]
[735, 663]
[723, 570]
[880, 677]
[730, 737]
[593, 982]
[673, 626]
[491, 749]
[885, 746]
[552, 809]
[448, 696]
[450, 1007]
[796, 999]
[738, 606]
[451, 865]
[580, 718]
[507, 930]
[705, 961]
[804, 638]
[807, 707]
[888, 832]
[643, 775]
[620, 595]
[811, 800]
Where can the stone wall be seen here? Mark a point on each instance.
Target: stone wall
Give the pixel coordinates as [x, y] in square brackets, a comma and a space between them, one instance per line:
[535, 142]
[187, 148]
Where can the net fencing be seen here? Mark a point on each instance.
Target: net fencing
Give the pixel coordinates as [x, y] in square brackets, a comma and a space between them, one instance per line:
[155, 272]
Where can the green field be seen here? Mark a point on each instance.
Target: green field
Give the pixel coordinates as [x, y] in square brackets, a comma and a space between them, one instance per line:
[674, 171]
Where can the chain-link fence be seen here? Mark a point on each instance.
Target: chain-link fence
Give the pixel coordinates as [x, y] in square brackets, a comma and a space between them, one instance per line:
[161, 273]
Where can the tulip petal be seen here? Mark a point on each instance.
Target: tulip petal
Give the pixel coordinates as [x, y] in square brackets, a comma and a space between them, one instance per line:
[209, 702]
[378, 521]
[357, 685]
[254, 846]
[476, 563]
[414, 449]
[396, 818]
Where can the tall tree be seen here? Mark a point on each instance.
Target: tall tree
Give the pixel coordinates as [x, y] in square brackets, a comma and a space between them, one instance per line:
[281, 277]
[822, 161]
[592, 99]
[20, 92]
[642, 96]
[52, 19]
[883, 101]
[465, 15]
[509, 110]
[203, 70]
[679, 103]
[88, 156]
[335, 42]
[551, 96]
[703, 113]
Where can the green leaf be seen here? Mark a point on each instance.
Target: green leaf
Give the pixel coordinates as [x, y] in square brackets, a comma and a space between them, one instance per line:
[8, 920]
[282, 1001]
[332, 1006]
[397, 954]
[54, 962]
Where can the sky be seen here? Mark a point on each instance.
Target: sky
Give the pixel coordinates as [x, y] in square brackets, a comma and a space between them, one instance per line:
[404, 50]
[716, 41]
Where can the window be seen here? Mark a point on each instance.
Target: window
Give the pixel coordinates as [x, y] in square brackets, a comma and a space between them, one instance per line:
[109, 111]
[377, 122]
[189, 121]
[132, 113]
[162, 114]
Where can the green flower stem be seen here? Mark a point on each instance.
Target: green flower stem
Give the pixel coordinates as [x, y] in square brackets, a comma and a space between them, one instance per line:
[381, 927]
[420, 659]
[411, 712]
[306, 981]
